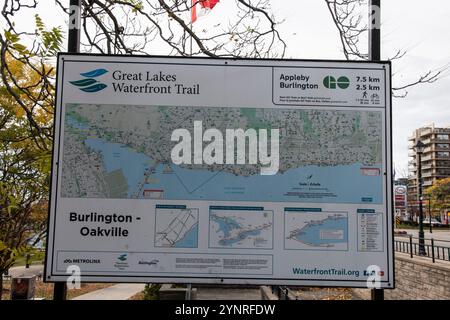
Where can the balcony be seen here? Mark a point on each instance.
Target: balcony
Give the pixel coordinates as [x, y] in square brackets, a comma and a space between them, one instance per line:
[442, 130]
[441, 147]
[427, 174]
[427, 183]
[442, 164]
[442, 156]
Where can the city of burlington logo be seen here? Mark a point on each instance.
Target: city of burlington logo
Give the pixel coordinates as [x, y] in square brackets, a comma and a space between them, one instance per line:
[89, 84]
[331, 82]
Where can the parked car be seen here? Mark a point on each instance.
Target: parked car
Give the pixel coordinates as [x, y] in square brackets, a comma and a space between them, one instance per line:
[434, 222]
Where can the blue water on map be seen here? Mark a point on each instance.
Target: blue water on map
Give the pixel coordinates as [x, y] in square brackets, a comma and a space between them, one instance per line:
[338, 184]
[190, 239]
[119, 157]
[311, 232]
[242, 235]
[76, 124]
[225, 224]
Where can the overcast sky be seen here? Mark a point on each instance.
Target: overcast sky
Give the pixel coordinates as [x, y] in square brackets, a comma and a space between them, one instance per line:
[420, 27]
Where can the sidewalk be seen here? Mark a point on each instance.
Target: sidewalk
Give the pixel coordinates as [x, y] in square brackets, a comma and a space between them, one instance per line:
[125, 291]
[122, 291]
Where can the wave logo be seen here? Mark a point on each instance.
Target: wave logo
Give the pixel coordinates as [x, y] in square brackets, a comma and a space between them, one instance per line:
[89, 84]
[122, 257]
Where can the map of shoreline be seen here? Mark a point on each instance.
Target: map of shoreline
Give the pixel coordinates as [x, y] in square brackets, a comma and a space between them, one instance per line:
[310, 234]
[123, 169]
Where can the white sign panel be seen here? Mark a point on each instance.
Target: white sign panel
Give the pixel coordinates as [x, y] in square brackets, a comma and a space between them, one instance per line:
[221, 171]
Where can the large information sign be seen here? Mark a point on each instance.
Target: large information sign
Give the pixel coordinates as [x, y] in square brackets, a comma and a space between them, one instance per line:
[221, 171]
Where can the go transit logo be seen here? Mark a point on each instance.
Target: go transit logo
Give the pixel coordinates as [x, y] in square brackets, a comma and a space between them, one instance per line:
[331, 82]
[89, 84]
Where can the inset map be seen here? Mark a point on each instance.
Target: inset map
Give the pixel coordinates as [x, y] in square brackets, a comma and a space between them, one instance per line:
[240, 227]
[315, 230]
[176, 226]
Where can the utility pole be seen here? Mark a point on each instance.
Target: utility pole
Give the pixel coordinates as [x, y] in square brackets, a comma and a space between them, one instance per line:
[419, 151]
[74, 26]
[73, 45]
[375, 55]
[374, 30]
[429, 211]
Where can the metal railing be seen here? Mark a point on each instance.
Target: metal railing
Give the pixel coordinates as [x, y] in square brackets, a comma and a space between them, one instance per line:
[434, 248]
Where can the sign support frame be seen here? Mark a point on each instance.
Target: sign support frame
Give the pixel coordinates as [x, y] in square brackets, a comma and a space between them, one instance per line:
[60, 288]
[375, 55]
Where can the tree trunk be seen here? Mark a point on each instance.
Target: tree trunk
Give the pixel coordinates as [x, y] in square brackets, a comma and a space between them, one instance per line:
[1, 285]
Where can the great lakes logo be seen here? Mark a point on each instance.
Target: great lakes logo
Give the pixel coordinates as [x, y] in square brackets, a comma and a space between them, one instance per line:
[122, 257]
[121, 262]
[89, 84]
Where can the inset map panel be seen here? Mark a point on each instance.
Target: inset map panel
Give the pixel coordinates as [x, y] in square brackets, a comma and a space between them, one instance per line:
[240, 227]
[309, 229]
[176, 226]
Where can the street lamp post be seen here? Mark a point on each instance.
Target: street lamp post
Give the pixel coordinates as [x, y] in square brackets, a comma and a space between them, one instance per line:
[429, 212]
[419, 147]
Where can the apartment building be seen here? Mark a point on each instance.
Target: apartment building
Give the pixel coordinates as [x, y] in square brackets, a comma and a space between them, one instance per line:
[435, 159]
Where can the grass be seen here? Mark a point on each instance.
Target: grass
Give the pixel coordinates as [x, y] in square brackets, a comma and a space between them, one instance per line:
[36, 257]
[45, 290]
[416, 227]
[323, 293]
[303, 293]
[138, 296]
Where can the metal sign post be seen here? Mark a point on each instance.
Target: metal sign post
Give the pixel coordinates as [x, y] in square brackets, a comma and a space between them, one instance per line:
[60, 288]
[375, 55]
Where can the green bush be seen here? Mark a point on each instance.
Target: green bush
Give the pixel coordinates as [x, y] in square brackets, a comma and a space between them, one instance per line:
[151, 291]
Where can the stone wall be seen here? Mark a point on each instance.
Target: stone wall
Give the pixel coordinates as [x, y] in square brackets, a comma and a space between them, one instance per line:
[417, 279]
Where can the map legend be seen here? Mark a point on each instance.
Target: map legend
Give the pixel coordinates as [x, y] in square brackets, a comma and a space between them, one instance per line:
[370, 230]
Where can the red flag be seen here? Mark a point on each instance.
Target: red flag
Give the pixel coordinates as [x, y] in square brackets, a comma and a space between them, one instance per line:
[203, 7]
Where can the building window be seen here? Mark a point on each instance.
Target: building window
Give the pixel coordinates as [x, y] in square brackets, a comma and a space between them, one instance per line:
[443, 146]
[442, 136]
[443, 164]
[443, 154]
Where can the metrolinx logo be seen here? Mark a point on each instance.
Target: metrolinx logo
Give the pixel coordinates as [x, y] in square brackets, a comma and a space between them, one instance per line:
[90, 84]
[331, 83]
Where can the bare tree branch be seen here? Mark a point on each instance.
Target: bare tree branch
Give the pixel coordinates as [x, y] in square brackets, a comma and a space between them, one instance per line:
[349, 17]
